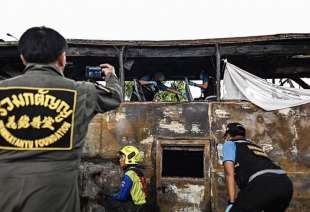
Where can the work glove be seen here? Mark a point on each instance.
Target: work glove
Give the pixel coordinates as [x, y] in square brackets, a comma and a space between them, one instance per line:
[184, 94]
[153, 83]
[192, 83]
[228, 208]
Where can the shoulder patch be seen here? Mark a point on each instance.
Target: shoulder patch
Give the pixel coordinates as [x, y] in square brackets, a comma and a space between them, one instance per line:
[257, 150]
[36, 118]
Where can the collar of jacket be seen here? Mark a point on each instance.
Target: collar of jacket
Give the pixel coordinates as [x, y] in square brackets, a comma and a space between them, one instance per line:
[43, 67]
[134, 166]
[240, 140]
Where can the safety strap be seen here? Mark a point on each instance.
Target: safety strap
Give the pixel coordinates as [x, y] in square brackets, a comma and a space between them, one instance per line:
[266, 171]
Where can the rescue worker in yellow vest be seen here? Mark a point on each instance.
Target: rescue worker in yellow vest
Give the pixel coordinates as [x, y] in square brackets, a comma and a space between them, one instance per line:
[134, 184]
[44, 118]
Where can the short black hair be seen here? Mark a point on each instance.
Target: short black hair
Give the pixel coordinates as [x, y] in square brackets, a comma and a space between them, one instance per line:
[41, 45]
[235, 129]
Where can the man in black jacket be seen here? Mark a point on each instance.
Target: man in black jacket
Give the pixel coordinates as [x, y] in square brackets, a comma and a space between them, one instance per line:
[263, 185]
[43, 124]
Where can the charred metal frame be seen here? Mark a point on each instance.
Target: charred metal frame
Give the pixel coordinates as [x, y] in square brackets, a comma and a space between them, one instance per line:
[183, 144]
[179, 181]
[272, 56]
[121, 68]
[218, 72]
[300, 82]
[297, 80]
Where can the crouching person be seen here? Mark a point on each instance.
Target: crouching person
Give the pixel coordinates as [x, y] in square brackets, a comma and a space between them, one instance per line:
[263, 185]
[133, 192]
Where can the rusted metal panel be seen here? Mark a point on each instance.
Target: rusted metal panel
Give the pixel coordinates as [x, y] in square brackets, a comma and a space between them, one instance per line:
[141, 124]
[284, 134]
[183, 120]
[183, 193]
[97, 178]
[137, 122]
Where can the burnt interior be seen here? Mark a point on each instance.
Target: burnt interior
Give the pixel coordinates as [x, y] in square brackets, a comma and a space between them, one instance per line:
[269, 57]
[183, 162]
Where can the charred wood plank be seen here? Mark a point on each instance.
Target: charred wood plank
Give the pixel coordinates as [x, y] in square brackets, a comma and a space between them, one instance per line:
[95, 51]
[231, 50]
[266, 49]
[300, 48]
[300, 71]
[158, 52]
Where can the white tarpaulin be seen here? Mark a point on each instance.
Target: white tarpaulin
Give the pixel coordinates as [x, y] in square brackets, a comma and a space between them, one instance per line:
[241, 85]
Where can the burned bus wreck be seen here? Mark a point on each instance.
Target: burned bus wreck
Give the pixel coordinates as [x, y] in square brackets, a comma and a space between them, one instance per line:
[181, 141]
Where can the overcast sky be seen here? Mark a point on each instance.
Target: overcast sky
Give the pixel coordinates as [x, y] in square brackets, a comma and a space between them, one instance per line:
[156, 19]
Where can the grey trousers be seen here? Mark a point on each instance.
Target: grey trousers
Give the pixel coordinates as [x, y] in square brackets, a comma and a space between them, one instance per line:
[48, 192]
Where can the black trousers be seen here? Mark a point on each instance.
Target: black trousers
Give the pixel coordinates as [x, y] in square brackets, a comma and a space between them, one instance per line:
[268, 193]
[112, 205]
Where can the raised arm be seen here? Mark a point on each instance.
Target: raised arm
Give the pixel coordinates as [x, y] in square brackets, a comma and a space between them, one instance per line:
[110, 95]
[172, 90]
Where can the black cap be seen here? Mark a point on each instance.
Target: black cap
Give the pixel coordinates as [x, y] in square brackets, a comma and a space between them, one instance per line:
[234, 129]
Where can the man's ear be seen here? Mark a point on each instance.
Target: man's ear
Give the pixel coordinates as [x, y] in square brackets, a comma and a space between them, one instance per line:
[23, 59]
[61, 60]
